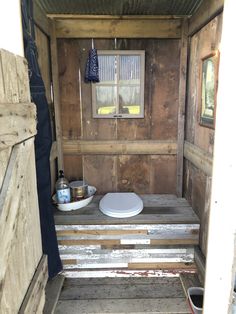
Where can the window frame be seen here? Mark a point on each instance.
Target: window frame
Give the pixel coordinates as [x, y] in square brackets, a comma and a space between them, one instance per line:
[119, 53]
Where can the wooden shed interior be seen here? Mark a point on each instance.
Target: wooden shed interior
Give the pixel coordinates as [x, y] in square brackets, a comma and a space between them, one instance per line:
[166, 156]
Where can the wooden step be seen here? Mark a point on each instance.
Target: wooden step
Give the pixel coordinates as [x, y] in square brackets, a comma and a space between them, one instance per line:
[123, 295]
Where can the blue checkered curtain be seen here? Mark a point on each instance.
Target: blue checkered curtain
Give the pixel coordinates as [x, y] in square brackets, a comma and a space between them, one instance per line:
[91, 70]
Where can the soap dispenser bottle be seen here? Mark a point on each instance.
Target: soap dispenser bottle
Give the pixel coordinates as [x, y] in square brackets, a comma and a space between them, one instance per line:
[62, 189]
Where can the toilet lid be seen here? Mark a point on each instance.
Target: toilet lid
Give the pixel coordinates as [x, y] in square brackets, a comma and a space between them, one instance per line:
[121, 205]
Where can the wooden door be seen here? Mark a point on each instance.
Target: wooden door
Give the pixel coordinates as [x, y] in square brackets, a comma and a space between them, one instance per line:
[23, 268]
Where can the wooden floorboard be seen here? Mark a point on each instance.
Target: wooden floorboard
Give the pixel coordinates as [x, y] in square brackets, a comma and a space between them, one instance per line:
[122, 295]
[134, 306]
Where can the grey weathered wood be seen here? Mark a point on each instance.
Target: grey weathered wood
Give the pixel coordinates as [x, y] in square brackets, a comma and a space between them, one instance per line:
[9, 202]
[56, 95]
[159, 288]
[123, 295]
[98, 218]
[205, 13]
[21, 247]
[201, 159]
[36, 291]
[181, 110]
[53, 290]
[122, 306]
[4, 158]
[188, 281]
[22, 80]
[9, 72]
[40, 18]
[200, 261]
[17, 123]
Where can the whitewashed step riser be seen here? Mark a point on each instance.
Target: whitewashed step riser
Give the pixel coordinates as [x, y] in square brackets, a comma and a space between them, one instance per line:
[98, 249]
[123, 228]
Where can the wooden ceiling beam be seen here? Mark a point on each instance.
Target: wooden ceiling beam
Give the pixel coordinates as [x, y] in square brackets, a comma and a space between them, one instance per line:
[113, 17]
[118, 28]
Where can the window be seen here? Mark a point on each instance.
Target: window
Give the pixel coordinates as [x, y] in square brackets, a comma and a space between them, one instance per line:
[208, 89]
[120, 92]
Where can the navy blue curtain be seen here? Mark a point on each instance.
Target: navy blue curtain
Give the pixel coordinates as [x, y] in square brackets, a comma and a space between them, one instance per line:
[43, 141]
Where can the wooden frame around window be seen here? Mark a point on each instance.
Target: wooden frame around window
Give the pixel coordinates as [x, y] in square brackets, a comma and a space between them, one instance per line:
[208, 89]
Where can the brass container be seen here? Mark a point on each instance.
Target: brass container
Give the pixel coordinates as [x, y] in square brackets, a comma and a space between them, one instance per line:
[79, 190]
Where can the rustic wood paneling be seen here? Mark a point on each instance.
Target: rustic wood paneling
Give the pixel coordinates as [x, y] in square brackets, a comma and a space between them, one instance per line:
[199, 143]
[43, 49]
[159, 123]
[117, 28]
[69, 89]
[198, 157]
[165, 74]
[73, 167]
[129, 179]
[204, 42]
[181, 109]
[100, 171]
[162, 174]
[56, 94]
[21, 245]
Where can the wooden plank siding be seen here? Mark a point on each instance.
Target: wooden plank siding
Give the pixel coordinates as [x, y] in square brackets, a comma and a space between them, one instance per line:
[56, 94]
[108, 152]
[21, 247]
[182, 104]
[42, 40]
[161, 237]
[199, 140]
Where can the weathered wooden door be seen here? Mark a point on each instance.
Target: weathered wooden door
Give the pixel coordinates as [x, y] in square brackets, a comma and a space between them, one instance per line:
[23, 268]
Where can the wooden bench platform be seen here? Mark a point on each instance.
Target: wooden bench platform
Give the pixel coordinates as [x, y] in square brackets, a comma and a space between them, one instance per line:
[161, 237]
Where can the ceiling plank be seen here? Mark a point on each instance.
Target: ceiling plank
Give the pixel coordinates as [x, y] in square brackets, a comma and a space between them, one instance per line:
[40, 18]
[118, 28]
[204, 14]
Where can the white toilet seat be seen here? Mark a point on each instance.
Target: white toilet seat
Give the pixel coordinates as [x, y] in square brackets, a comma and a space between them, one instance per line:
[121, 205]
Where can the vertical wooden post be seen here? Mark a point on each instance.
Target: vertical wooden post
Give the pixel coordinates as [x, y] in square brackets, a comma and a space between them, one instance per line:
[220, 265]
[181, 112]
[56, 95]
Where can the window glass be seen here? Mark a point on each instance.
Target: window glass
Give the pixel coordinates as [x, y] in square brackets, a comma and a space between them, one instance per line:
[120, 92]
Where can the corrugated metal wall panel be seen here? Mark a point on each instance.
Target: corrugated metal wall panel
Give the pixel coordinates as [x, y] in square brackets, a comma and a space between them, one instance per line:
[120, 7]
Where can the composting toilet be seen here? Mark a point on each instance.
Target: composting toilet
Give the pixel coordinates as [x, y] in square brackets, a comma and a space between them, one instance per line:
[121, 205]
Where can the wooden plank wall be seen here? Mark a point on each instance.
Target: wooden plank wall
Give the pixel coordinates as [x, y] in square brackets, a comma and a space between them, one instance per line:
[43, 47]
[20, 246]
[198, 149]
[146, 173]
